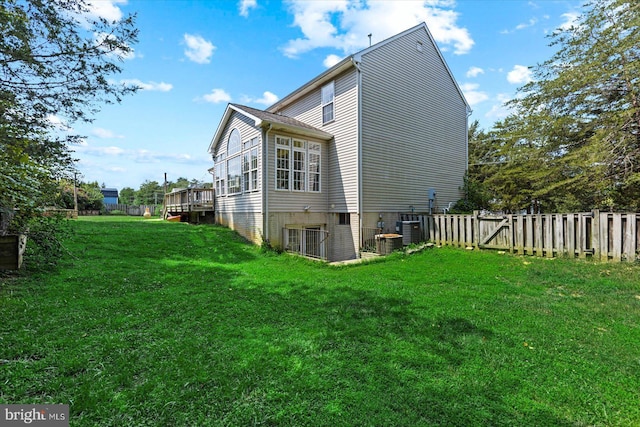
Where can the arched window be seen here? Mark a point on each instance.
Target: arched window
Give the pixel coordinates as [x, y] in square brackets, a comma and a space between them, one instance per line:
[234, 144]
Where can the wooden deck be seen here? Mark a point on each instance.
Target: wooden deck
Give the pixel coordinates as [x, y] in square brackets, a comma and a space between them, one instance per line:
[188, 201]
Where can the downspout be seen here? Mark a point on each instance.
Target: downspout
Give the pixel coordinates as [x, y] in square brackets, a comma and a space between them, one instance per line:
[466, 137]
[356, 64]
[265, 183]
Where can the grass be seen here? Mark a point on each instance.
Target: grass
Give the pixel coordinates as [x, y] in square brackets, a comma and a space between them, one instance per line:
[156, 323]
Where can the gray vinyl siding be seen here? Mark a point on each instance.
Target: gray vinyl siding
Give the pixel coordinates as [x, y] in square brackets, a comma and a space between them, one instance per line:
[243, 202]
[295, 201]
[342, 183]
[413, 127]
[343, 240]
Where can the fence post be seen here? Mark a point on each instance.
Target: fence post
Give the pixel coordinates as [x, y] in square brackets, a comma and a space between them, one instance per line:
[511, 234]
[476, 234]
[630, 237]
[468, 235]
[617, 235]
[604, 236]
[528, 231]
[559, 234]
[539, 235]
[548, 235]
[571, 235]
[519, 232]
[595, 233]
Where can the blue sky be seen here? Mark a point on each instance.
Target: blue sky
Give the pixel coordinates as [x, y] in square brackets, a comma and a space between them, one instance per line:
[193, 57]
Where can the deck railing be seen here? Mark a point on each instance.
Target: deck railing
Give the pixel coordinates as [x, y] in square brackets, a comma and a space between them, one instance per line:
[189, 200]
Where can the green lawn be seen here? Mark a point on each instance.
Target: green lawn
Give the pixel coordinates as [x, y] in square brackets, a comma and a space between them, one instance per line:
[156, 323]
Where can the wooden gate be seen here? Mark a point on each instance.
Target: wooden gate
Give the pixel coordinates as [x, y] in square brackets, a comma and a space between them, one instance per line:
[494, 232]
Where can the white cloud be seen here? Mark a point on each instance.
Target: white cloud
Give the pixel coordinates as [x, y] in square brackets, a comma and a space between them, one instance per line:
[198, 49]
[138, 156]
[355, 20]
[500, 110]
[105, 133]
[472, 94]
[521, 26]
[331, 60]
[474, 71]
[519, 75]
[97, 9]
[100, 151]
[528, 24]
[570, 20]
[216, 96]
[268, 98]
[245, 6]
[58, 123]
[106, 9]
[146, 156]
[153, 86]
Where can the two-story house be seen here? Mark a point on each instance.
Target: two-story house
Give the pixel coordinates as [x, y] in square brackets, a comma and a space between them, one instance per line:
[381, 133]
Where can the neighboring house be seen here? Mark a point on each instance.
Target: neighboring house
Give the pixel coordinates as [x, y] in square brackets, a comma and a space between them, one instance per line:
[110, 195]
[375, 136]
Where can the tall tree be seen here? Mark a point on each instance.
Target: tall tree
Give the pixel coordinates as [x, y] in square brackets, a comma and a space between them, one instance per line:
[55, 64]
[573, 140]
[483, 158]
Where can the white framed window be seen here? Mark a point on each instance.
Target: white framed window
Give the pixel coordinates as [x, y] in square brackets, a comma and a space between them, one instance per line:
[234, 175]
[283, 162]
[234, 163]
[250, 165]
[236, 171]
[328, 95]
[220, 171]
[314, 166]
[234, 143]
[297, 165]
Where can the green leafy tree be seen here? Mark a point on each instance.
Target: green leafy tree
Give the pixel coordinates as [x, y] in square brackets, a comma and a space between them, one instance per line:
[483, 157]
[127, 195]
[90, 197]
[573, 140]
[88, 194]
[149, 193]
[181, 182]
[55, 64]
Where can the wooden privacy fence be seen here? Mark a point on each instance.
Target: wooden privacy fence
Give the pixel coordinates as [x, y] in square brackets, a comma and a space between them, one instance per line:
[133, 210]
[598, 235]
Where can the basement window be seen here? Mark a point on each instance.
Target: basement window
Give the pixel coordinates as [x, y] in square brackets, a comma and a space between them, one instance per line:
[344, 218]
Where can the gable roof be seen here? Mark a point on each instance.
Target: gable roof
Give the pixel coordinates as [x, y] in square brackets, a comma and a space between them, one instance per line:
[263, 119]
[352, 61]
